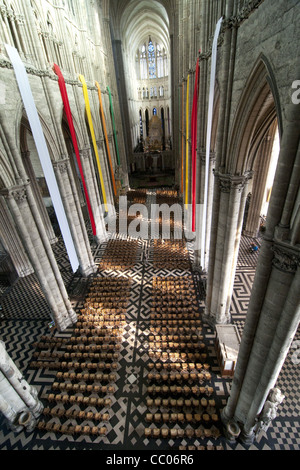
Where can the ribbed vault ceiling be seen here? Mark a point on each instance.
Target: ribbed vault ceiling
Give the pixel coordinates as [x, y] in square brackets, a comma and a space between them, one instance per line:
[135, 20]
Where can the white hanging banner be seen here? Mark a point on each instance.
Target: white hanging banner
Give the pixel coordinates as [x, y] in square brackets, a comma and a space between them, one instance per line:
[208, 135]
[41, 146]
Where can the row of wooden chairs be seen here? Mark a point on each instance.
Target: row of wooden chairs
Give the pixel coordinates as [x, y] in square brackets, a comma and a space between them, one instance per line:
[106, 307]
[189, 432]
[175, 355]
[167, 193]
[166, 286]
[71, 413]
[179, 366]
[172, 322]
[78, 350]
[99, 331]
[72, 355]
[178, 390]
[178, 315]
[71, 429]
[178, 377]
[169, 329]
[95, 339]
[82, 388]
[92, 347]
[86, 377]
[170, 337]
[108, 320]
[116, 266]
[78, 400]
[187, 403]
[101, 324]
[61, 365]
[194, 418]
[177, 308]
[175, 345]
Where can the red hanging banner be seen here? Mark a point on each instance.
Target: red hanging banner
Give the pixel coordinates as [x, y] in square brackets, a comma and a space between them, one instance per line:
[194, 120]
[64, 95]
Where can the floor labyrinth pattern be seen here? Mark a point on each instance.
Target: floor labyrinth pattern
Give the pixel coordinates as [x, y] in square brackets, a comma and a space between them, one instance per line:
[140, 413]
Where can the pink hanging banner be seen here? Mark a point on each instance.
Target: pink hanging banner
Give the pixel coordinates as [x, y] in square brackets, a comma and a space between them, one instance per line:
[64, 95]
[194, 120]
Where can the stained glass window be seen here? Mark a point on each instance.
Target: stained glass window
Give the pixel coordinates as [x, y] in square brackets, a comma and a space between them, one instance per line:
[151, 60]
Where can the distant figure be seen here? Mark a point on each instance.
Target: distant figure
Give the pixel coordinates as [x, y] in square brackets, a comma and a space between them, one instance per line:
[253, 248]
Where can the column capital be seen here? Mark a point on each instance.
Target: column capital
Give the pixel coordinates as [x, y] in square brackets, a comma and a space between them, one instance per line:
[202, 155]
[62, 165]
[18, 193]
[285, 260]
[227, 182]
[85, 153]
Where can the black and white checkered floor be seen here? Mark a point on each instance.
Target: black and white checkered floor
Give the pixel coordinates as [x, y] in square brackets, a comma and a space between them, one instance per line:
[25, 318]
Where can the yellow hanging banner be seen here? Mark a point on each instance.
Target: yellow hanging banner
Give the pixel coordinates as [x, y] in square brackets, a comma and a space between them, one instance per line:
[106, 137]
[187, 143]
[90, 121]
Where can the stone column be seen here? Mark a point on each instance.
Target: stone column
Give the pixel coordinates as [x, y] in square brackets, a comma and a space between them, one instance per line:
[74, 215]
[224, 245]
[275, 330]
[39, 200]
[12, 242]
[25, 214]
[273, 314]
[271, 345]
[18, 400]
[124, 122]
[89, 172]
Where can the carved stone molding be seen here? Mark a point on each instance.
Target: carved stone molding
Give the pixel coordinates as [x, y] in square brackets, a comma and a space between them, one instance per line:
[285, 260]
[85, 153]
[202, 155]
[62, 165]
[229, 182]
[18, 193]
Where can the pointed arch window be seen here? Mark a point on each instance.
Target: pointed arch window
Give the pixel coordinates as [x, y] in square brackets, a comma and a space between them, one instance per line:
[151, 60]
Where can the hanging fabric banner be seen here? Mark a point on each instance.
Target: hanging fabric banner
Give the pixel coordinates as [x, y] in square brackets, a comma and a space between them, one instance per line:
[43, 153]
[182, 136]
[114, 125]
[106, 138]
[187, 142]
[90, 121]
[65, 99]
[194, 121]
[208, 135]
